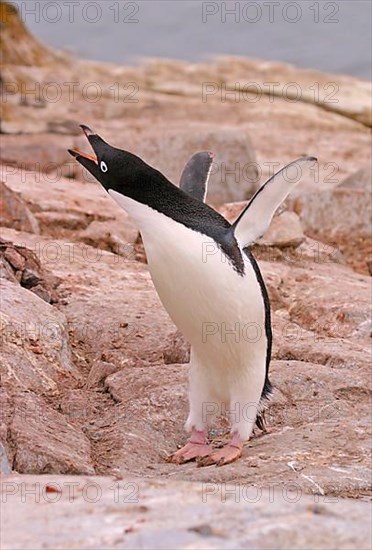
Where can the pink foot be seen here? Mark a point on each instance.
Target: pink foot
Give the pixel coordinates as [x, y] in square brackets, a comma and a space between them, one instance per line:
[197, 447]
[229, 453]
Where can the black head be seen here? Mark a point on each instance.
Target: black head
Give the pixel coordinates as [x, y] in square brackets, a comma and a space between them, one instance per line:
[114, 168]
[130, 176]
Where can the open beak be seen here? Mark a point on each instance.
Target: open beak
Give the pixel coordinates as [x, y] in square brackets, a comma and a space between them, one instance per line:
[77, 153]
[90, 161]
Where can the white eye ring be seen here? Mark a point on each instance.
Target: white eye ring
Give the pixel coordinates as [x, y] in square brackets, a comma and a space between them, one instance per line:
[103, 166]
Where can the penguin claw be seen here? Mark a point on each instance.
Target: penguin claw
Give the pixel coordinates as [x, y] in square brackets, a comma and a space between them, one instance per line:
[266, 431]
[220, 457]
[191, 451]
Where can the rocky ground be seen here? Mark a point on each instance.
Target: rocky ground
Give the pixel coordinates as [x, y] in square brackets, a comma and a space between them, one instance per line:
[100, 512]
[94, 373]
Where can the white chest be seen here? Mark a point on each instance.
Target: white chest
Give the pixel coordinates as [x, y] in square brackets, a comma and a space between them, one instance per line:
[205, 297]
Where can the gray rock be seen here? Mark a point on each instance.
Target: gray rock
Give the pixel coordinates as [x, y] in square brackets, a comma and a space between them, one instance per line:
[180, 539]
[18, 45]
[177, 349]
[336, 214]
[42, 292]
[30, 278]
[5, 468]
[135, 513]
[36, 363]
[6, 271]
[41, 155]
[361, 179]
[53, 222]
[73, 208]
[35, 353]
[118, 236]
[44, 441]
[99, 372]
[64, 126]
[285, 231]
[21, 265]
[14, 211]
[16, 260]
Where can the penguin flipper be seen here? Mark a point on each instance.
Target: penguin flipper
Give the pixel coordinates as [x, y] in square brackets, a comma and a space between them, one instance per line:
[194, 178]
[255, 219]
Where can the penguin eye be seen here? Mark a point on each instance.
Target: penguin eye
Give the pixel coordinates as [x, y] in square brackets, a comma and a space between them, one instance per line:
[103, 166]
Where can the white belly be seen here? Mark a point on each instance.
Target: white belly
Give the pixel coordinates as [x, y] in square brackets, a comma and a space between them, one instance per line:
[219, 311]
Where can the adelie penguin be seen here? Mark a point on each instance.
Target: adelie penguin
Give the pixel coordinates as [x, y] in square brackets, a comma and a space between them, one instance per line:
[208, 281]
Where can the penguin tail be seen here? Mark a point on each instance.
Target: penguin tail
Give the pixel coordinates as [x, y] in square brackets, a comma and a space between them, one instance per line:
[266, 395]
[267, 391]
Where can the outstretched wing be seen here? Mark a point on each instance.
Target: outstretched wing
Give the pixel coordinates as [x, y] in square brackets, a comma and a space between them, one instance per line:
[194, 178]
[257, 215]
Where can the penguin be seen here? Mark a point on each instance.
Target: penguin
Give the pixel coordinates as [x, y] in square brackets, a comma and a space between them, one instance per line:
[208, 281]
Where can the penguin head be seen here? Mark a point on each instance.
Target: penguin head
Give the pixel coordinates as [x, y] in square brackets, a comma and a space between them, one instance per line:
[114, 168]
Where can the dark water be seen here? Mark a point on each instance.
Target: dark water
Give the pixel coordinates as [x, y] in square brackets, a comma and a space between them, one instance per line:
[330, 36]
